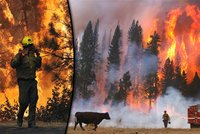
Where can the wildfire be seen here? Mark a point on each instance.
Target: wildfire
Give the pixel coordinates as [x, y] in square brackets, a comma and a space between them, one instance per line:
[182, 32]
[6, 11]
[180, 41]
[47, 12]
[170, 26]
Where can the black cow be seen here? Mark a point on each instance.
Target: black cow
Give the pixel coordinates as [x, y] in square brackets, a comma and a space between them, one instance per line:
[90, 118]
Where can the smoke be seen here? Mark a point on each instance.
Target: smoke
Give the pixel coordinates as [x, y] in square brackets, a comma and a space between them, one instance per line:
[135, 59]
[110, 13]
[113, 11]
[125, 117]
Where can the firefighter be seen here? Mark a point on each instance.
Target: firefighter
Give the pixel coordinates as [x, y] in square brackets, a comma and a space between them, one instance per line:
[166, 119]
[26, 62]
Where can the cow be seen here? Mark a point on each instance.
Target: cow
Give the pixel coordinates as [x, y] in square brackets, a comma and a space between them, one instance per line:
[90, 118]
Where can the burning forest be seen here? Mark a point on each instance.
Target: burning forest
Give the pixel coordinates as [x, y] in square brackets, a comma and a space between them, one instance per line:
[141, 60]
[49, 24]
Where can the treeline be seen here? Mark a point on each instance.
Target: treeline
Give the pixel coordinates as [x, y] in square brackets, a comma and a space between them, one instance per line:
[56, 109]
[89, 59]
[173, 76]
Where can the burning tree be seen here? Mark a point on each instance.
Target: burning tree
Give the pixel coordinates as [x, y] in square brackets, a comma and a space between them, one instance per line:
[8, 111]
[152, 80]
[124, 89]
[135, 33]
[48, 22]
[135, 52]
[57, 107]
[168, 75]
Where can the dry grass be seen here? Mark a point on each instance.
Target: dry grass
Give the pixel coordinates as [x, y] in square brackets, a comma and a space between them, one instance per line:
[132, 131]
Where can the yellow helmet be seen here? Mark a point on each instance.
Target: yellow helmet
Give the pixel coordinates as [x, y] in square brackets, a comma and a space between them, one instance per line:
[27, 40]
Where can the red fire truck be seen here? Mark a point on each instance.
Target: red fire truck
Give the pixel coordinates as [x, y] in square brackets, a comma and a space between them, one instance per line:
[194, 116]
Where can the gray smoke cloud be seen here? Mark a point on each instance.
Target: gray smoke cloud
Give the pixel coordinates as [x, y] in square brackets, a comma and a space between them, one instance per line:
[124, 117]
[110, 13]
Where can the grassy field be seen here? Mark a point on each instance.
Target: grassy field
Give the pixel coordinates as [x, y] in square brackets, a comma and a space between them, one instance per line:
[132, 131]
[43, 128]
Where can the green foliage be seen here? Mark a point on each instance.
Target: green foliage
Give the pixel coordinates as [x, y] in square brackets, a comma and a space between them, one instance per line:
[114, 49]
[87, 60]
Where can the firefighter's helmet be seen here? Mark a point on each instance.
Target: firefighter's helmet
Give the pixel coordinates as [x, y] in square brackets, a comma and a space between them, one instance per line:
[27, 40]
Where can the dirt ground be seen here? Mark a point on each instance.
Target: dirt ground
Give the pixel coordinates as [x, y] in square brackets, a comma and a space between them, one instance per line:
[43, 128]
[101, 130]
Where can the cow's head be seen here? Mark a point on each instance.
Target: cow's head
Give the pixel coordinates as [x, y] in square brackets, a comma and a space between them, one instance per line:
[106, 116]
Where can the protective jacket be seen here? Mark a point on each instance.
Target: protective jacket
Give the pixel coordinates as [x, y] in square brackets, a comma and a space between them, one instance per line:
[26, 65]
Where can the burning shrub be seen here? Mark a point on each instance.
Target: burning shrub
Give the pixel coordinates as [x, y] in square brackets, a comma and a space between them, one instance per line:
[8, 112]
[57, 107]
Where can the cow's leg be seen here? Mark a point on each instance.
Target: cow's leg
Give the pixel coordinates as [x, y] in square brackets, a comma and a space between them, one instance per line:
[81, 126]
[95, 127]
[75, 125]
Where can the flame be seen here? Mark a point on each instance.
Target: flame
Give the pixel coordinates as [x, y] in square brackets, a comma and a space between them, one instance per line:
[183, 44]
[180, 41]
[6, 11]
[53, 11]
[170, 26]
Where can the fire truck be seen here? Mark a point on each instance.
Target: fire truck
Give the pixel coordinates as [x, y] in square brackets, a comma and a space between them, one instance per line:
[194, 116]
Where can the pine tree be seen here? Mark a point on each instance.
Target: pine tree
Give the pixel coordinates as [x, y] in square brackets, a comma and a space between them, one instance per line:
[96, 44]
[135, 51]
[135, 33]
[152, 81]
[194, 87]
[168, 75]
[57, 107]
[111, 93]
[114, 49]
[87, 63]
[96, 36]
[52, 107]
[64, 107]
[180, 80]
[154, 44]
[124, 89]
[103, 49]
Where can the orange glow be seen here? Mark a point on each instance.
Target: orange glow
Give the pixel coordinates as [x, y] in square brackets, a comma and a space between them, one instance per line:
[180, 41]
[53, 11]
[185, 44]
[170, 26]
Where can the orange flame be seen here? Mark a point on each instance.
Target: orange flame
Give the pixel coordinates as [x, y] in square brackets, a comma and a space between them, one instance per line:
[53, 11]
